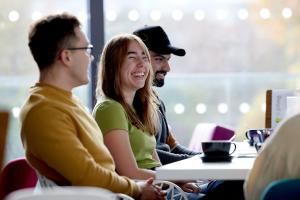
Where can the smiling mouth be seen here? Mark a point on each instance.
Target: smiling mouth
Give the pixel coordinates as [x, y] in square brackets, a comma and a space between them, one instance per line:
[139, 74]
[160, 74]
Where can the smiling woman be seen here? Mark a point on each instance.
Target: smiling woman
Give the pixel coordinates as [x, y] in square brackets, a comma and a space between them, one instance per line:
[125, 77]
[126, 108]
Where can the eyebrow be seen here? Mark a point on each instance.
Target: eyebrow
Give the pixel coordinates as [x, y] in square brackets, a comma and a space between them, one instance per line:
[133, 52]
[161, 56]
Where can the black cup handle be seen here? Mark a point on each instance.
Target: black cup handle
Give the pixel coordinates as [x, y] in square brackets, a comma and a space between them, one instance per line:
[233, 149]
[246, 134]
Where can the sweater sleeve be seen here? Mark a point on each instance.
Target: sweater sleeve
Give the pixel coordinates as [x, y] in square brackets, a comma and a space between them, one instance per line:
[169, 157]
[179, 149]
[51, 136]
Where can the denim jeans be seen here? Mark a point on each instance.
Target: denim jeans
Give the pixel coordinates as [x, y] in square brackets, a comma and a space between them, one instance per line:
[218, 189]
[190, 196]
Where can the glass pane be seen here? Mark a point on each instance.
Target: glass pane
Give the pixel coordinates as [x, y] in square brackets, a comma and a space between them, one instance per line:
[236, 49]
[18, 70]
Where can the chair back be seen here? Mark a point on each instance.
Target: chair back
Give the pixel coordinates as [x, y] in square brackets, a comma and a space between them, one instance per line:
[45, 184]
[16, 174]
[288, 189]
[63, 193]
[207, 132]
[4, 120]
[173, 191]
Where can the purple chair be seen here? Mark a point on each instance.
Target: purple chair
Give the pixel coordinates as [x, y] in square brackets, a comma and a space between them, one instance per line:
[207, 132]
[16, 174]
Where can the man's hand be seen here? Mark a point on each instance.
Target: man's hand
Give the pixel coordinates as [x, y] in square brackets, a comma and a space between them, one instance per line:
[150, 191]
[189, 187]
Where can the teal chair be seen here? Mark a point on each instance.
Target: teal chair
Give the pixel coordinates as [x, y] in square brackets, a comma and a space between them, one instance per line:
[284, 189]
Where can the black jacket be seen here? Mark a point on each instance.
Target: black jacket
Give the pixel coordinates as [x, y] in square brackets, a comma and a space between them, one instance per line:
[165, 152]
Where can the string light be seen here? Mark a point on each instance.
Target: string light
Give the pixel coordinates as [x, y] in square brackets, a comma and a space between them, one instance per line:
[287, 13]
[244, 108]
[16, 111]
[221, 14]
[36, 15]
[133, 15]
[155, 15]
[265, 13]
[263, 107]
[199, 15]
[13, 16]
[177, 15]
[222, 108]
[201, 108]
[179, 108]
[82, 16]
[111, 15]
[243, 14]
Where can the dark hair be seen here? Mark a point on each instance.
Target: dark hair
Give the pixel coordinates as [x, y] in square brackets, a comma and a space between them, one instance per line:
[49, 36]
[109, 83]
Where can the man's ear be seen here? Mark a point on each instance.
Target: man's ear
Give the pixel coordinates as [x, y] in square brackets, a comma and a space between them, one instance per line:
[65, 56]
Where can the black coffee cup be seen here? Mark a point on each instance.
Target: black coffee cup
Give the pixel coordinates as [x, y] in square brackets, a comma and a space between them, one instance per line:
[218, 148]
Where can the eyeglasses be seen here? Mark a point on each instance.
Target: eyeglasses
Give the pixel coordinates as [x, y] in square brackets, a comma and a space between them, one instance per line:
[88, 49]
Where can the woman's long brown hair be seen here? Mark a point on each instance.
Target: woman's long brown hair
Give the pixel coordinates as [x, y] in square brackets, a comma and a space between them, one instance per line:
[109, 84]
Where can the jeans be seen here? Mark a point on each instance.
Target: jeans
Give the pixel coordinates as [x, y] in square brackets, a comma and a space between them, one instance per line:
[218, 189]
[190, 196]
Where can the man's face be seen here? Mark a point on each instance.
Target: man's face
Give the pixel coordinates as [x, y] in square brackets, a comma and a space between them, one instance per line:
[81, 59]
[160, 65]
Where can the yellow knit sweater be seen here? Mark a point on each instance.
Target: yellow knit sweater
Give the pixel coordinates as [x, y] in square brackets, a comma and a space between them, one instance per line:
[64, 143]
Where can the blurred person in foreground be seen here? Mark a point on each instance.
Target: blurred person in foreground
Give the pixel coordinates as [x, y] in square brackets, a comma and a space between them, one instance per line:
[61, 139]
[278, 159]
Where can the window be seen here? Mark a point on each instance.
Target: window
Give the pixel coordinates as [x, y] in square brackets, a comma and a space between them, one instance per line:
[236, 50]
[18, 70]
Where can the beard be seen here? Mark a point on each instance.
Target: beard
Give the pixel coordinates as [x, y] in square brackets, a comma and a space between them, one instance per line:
[159, 82]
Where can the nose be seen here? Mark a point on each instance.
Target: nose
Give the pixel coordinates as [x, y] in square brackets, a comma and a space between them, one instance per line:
[166, 66]
[141, 62]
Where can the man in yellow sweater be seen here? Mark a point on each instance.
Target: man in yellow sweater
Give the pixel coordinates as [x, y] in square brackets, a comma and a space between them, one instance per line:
[61, 139]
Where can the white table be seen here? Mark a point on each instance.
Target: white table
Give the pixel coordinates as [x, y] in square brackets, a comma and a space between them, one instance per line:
[194, 169]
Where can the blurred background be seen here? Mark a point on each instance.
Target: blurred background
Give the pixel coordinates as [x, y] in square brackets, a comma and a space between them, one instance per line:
[236, 50]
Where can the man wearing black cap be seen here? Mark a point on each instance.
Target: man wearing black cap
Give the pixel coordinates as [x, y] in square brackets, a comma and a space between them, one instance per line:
[160, 48]
[168, 149]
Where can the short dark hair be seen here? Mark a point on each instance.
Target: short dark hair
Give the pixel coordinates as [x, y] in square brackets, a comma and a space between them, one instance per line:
[49, 36]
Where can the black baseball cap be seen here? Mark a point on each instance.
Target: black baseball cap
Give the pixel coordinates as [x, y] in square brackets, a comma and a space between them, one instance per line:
[156, 40]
